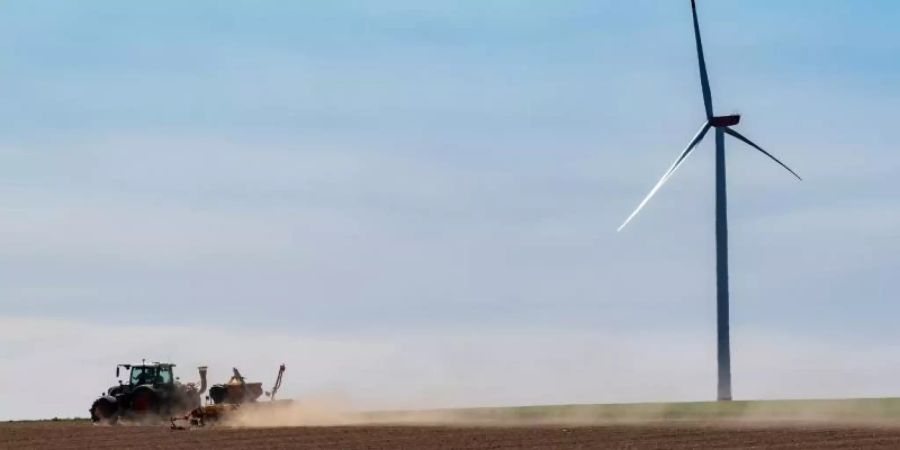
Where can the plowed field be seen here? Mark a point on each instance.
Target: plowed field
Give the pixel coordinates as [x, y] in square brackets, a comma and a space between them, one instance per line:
[670, 435]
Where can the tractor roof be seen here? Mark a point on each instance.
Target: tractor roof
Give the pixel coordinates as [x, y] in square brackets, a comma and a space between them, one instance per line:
[153, 364]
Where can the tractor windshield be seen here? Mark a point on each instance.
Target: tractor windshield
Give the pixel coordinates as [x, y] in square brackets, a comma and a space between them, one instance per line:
[143, 375]
[151, 375]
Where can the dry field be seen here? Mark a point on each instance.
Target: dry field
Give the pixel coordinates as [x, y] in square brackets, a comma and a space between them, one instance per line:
[668, 435]
[787, 424]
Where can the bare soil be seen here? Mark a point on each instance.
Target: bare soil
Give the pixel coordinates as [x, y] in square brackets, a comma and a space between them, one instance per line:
[659, 435]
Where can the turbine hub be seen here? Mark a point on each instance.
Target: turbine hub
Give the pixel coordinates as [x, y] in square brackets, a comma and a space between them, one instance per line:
[725, 121]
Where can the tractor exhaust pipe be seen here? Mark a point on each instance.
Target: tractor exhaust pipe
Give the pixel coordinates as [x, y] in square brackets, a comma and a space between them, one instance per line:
[202, 370]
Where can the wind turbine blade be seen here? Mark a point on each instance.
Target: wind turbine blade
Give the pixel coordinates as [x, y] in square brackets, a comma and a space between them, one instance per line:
[704, 77]
[696, 140]
[741, 137]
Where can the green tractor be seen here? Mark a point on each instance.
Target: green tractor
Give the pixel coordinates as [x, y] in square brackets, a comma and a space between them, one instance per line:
[150, 393]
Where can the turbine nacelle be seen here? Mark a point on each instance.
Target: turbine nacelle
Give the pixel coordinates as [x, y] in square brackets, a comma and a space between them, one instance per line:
[725, 121]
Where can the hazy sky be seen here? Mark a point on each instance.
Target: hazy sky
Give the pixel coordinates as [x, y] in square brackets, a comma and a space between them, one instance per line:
[407, 201]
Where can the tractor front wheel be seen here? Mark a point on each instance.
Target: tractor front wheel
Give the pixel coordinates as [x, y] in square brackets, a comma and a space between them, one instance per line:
[104, 411]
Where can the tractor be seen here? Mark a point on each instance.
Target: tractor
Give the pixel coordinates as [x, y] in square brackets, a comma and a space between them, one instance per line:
[150, 392]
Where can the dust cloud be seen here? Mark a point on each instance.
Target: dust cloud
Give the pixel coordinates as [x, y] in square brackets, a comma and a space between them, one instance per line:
[333, 412]
[312, 411]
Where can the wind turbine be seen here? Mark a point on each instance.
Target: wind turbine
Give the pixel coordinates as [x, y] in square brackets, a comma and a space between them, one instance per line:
[722, 125]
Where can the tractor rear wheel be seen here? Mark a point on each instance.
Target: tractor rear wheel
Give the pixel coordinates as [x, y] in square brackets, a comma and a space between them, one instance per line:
[104, 412]
[144, 403]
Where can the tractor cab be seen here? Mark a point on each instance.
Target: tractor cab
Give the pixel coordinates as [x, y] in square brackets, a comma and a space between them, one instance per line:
[155, 374]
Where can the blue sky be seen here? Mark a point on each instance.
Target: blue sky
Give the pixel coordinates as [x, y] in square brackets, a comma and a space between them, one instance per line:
[396, 169]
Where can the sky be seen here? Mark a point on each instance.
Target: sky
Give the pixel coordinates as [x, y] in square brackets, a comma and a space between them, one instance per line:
[409, 202]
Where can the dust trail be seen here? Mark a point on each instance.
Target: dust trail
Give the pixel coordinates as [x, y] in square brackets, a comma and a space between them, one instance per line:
[332, 412]
[309, 411]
